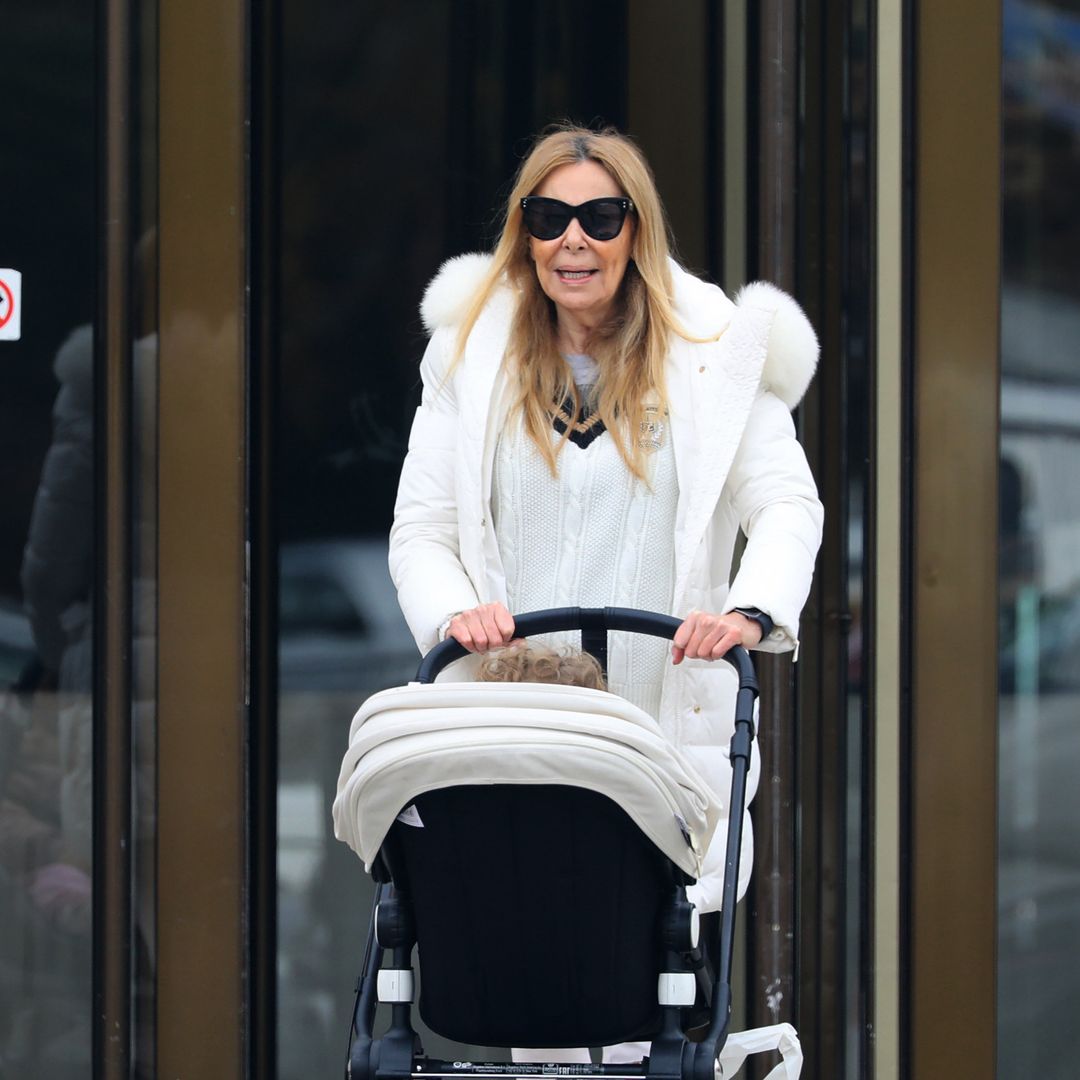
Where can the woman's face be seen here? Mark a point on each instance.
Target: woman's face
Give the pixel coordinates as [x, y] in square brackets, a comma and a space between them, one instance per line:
[582, 298]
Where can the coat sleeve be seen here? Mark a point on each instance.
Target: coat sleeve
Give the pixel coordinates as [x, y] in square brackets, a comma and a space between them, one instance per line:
[425, 561]
[772, 492]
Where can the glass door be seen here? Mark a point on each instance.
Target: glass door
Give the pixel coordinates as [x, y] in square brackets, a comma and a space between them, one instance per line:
[48, 428]
[1039, 582]
[399, 133]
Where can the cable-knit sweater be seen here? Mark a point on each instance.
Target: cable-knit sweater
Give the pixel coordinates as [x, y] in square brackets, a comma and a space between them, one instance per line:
[591, 536]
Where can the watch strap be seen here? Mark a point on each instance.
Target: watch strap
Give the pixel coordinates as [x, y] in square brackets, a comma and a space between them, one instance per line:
[760, 617]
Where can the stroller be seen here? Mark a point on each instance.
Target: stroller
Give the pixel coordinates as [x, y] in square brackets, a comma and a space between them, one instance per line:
[534, 843]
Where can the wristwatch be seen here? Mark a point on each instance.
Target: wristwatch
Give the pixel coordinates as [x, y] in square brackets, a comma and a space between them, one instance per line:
[759, 616]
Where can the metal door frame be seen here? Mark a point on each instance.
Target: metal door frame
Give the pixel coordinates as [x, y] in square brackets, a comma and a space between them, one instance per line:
[203, 655]
[951, 918]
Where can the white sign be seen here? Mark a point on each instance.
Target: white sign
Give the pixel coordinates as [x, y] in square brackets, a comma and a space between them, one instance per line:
[10, 305]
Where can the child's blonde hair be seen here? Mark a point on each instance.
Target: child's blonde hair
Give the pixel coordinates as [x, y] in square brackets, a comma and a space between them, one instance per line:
[533, 662]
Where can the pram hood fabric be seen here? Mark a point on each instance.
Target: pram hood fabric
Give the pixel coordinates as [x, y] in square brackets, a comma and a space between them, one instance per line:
[417, 738]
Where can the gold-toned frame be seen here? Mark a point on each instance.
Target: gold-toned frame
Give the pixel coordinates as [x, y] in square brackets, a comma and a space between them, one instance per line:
[203, 614]
[951, 925]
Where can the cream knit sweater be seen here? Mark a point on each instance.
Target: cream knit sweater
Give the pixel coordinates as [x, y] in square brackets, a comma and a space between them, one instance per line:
[592, 536]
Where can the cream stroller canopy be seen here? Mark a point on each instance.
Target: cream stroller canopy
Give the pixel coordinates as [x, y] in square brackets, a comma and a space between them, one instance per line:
[416, 738]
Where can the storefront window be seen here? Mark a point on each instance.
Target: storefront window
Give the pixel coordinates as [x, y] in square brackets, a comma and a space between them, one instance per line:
[48, 429]
[1039, 801]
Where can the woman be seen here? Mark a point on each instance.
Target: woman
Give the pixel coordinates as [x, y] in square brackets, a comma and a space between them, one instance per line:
[596, 427]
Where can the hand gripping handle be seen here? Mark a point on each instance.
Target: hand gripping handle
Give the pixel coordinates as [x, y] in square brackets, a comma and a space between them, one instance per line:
[630, 620]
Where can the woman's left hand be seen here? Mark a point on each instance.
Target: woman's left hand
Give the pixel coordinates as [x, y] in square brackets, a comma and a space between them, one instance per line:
[707, 637]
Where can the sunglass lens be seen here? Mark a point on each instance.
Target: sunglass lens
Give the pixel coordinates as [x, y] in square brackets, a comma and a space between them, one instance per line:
[546, 218]
[602, 219]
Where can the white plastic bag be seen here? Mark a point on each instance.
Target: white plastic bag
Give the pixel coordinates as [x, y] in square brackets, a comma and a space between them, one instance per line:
[741, 1044]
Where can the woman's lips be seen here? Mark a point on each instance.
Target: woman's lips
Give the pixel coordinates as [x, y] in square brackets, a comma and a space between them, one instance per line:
[572, 276]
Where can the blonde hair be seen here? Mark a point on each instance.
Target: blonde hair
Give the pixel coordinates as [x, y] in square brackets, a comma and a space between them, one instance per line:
[632, 347]
[538, 663]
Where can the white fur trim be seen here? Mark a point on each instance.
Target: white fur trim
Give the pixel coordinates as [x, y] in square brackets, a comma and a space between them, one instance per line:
[792, 349]
[447, 297]
[793, 346]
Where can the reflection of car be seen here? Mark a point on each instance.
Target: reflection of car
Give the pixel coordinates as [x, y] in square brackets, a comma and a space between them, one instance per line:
[1044, 635]
[339, 623]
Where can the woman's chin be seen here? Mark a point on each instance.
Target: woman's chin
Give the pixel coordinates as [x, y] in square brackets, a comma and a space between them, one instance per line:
[580, 305]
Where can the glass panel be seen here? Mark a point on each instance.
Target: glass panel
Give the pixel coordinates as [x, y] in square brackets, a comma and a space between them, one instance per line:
[47, 428]
[401, 126]
[1039, 801]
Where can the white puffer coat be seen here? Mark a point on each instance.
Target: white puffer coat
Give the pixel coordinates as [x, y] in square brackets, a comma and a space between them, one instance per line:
[738, 462]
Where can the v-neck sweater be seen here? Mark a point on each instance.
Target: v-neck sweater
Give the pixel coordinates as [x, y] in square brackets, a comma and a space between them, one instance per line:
[593, 535]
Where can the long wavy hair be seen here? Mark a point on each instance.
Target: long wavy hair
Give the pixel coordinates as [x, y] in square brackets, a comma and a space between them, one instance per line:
[631, 347]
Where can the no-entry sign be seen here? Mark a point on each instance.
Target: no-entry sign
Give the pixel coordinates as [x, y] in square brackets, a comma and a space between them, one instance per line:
[10, 305]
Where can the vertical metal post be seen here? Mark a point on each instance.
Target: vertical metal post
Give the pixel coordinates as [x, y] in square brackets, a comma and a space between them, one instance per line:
[203, 618]
[952, 919]
[772, 997]
[892, 221]
[112, 860]
[266, 216]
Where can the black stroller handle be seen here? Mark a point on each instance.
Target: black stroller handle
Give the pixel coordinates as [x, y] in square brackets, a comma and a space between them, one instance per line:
[594, 622]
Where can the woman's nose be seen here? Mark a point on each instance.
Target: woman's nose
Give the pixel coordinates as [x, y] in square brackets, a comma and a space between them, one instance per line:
[574, 237]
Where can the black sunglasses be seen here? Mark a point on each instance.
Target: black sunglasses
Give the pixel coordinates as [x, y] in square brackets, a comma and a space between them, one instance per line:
[602, 219]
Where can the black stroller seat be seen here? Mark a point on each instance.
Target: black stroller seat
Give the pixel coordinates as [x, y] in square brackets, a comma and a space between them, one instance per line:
[544, 912]
[556, 884]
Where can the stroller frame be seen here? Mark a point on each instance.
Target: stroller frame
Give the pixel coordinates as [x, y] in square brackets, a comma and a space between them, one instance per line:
[674, 1056]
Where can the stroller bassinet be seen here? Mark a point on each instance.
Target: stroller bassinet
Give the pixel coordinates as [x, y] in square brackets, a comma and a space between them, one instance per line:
[534, 842]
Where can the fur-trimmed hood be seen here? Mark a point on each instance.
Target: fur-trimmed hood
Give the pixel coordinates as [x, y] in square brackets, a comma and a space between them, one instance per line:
[792, 349]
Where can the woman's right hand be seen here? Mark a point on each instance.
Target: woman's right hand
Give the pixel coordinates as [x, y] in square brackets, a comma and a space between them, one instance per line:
[488, 626]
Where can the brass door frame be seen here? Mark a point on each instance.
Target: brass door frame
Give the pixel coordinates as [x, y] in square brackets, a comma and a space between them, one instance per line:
[951, 920]
[200, 952]
[203, 706]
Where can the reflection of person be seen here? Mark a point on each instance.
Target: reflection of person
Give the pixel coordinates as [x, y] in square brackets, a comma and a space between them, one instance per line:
[58, 590]
[534, 662]
[58, 562]
[57, 573]
[596, 427]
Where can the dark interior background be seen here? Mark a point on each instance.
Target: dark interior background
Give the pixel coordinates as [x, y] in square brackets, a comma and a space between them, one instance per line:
[47, 231]
[400, 132]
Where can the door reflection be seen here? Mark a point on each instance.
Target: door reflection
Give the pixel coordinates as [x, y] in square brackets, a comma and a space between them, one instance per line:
[46, 544]
[1039, 669]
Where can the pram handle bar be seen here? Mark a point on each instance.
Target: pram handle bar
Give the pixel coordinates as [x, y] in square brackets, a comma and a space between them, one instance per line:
[587, 620]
